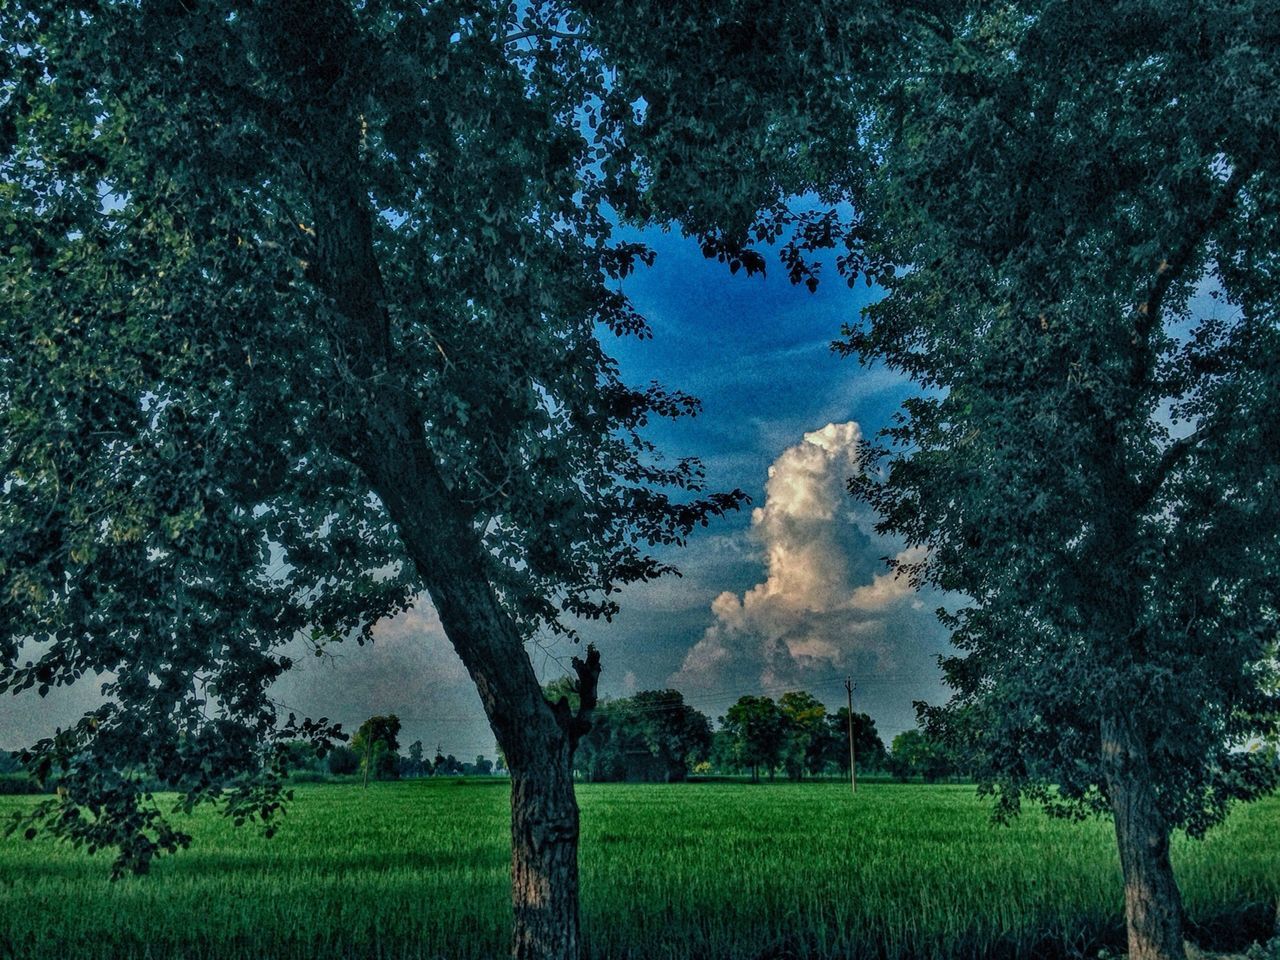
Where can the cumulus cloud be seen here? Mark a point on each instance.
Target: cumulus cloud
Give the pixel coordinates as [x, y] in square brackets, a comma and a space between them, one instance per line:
[826, 603]
[889, 588]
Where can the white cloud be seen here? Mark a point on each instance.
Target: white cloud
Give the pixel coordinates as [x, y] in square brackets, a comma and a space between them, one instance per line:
[826, 602]
[890, 587]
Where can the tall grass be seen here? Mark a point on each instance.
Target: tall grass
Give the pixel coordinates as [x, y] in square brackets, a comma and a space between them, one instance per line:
[723, 870]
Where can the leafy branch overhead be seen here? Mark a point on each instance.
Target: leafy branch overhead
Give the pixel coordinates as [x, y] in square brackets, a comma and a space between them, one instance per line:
[302, 317]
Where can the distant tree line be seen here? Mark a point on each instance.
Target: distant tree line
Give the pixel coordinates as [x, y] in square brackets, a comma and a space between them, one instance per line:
[374, 753]
[795, 736]
[655, 736]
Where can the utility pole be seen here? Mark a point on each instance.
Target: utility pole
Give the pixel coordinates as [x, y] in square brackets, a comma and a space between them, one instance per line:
[853, 769]
[368, 755]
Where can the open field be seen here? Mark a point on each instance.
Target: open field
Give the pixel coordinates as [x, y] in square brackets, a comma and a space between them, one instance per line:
[717, 870]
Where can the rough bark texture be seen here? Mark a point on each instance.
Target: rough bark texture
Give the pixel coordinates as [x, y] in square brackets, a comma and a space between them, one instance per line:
[1152, 902]
[544, 858]
[536, 737]
[377, 425]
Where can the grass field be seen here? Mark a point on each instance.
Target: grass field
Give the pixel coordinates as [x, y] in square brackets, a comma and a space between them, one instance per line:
[716, 870]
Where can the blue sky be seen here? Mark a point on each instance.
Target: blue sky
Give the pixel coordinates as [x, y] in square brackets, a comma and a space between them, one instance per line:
[789, 593]
[756, 351]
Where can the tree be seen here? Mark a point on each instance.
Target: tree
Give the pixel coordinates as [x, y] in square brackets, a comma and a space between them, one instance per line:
[447, 766]
[299, 323]
[1088, 221]
[601, 754]
[868, 747]
[1073, 219]
[377, 746]
[916, 754]
[483, 766]
[806, 735]
[724, 751]
[416, 765]
[675, 734]
[9, 762]
[653, 735]
[301, 755]
[343, 760]
[756, 726]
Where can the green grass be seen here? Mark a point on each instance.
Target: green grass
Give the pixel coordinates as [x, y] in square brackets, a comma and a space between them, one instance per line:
[717, 870]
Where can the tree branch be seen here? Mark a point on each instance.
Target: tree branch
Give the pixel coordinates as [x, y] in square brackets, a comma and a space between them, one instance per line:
[542, 35]
[1173, 266]
[1173, 455]
[588, 672]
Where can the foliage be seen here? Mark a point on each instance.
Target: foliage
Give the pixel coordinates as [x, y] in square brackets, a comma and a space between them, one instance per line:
[1095, 466]
[300, 755]
[300, 318]
[796, 734]
[1075, 225]
[868, 747]
[757, 731]
[446, 766]
[807, 740]
[377, 746]
[343, 760]
[415, 764]
[726, 866]
[917, 754]
[652, 735]
[19, 784]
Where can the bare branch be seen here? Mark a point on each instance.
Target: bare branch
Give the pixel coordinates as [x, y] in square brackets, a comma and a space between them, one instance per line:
[588, 672]
[1173, 266]
[542, 35]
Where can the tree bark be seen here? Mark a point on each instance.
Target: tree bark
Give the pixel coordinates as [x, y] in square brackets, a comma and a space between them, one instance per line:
[544, 858]
[378, 426]
[1152, 902]
[537, 738]
[382, 432]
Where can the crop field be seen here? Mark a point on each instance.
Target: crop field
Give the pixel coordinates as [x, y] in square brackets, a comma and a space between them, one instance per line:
[719, 870]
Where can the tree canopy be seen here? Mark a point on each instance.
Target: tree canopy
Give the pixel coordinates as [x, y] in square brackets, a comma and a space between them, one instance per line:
[300, 319]
[1083, 214]
[1094, 464]
[757, 733]
[652, 735]
[377, 745]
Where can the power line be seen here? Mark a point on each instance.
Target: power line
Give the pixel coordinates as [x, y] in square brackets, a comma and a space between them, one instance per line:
[713, 698]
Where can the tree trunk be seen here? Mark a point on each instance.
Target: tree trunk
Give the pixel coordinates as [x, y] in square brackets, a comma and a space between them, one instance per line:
[544, 858]
[1152, 902]
[537, 737]
[381, 430]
